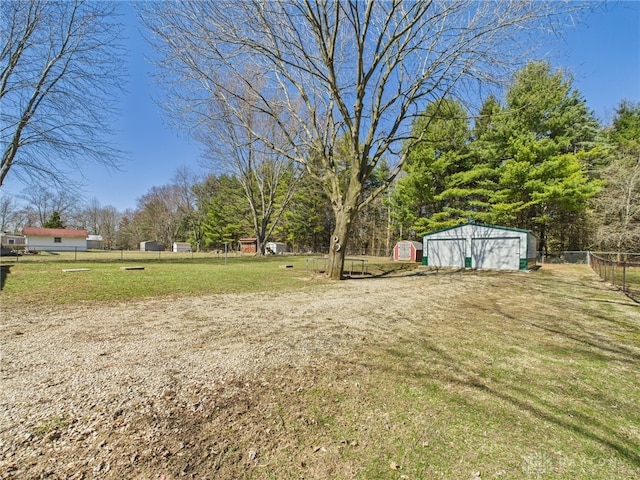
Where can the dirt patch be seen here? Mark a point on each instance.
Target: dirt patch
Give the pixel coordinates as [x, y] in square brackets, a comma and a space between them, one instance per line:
[205, 387]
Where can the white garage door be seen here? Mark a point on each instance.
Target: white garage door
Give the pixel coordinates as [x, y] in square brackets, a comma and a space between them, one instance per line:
[497, 253]
[446, 252]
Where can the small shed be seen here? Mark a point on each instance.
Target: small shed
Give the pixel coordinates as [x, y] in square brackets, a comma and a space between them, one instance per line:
[181, 247]
[95, 242]
[55, 239]
[407, 250]
[475, 245]
[151, 246]
[276, 248]
[248, 245]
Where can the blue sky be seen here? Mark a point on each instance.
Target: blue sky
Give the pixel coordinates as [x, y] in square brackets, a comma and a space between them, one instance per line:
[602, 54]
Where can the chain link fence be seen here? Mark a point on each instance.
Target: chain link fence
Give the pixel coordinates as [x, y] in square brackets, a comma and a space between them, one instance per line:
[579, 257]
[620, 269]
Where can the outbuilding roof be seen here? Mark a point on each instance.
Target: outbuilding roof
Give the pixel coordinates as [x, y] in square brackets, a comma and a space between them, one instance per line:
[53, 232]
[416, 244]
[497, 227]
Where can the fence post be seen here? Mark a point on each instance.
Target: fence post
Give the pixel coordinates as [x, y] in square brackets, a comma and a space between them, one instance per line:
[624, 276]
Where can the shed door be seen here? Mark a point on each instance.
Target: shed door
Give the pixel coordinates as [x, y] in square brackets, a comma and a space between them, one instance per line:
[404, 251]
[496, 253]
[447, 252]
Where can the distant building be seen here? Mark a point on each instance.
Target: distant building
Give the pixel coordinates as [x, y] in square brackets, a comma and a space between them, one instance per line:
[276, 248]
[11, 240]
[55, 239]
[407, 250]
[181, 247]
[95, 242]
[248, 245]
[152, 246]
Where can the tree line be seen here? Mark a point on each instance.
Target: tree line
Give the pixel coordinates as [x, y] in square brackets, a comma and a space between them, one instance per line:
[338, 126]
[537, 159]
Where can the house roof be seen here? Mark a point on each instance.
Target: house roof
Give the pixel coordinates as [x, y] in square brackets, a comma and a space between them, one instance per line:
[53, 232]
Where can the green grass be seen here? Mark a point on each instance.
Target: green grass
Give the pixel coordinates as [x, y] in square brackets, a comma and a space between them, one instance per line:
[543, 390]
[46, 281]
[41, 278]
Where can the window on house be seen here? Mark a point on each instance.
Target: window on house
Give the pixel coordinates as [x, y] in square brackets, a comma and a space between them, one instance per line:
[57, 239]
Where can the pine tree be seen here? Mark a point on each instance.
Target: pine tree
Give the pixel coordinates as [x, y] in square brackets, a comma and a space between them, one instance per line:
[423, 200]
[54, 221]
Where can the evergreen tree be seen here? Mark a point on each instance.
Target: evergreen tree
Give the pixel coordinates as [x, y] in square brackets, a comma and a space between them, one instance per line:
[423, 200]
[227, 217]
[543, 182]
[54, 221]
[307, 225]
[529, 159]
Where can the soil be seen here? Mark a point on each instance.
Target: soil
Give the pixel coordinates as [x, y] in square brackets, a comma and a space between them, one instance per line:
[193, 387]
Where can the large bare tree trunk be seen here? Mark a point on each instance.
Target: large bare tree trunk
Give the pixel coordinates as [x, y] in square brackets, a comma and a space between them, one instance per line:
[339, 240]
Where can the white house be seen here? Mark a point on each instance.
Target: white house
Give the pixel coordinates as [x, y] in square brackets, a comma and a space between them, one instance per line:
[475, 245]
[55, 239]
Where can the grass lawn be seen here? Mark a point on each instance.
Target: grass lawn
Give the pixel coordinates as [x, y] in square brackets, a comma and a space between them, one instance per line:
[483, 375]
[549, 388]
[100, 276]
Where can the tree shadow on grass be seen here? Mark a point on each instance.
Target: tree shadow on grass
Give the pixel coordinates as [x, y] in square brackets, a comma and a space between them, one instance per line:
[528, 395]
[408, 270]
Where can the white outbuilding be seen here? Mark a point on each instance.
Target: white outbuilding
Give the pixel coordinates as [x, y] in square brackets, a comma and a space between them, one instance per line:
[181, 247]
[476, 245]
[276, 248]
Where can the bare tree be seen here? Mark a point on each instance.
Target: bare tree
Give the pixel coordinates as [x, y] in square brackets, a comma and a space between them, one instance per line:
[160, 215]
[618, 205]
[233, 132]
[99, 220]
[44, 202]
[8, 214]
[360, 70]
[184, 179]
[185, 182]
[60, 70]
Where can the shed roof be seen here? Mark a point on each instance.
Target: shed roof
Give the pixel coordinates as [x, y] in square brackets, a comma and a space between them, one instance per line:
[53, 232]
[497, 227]
[418, 245]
